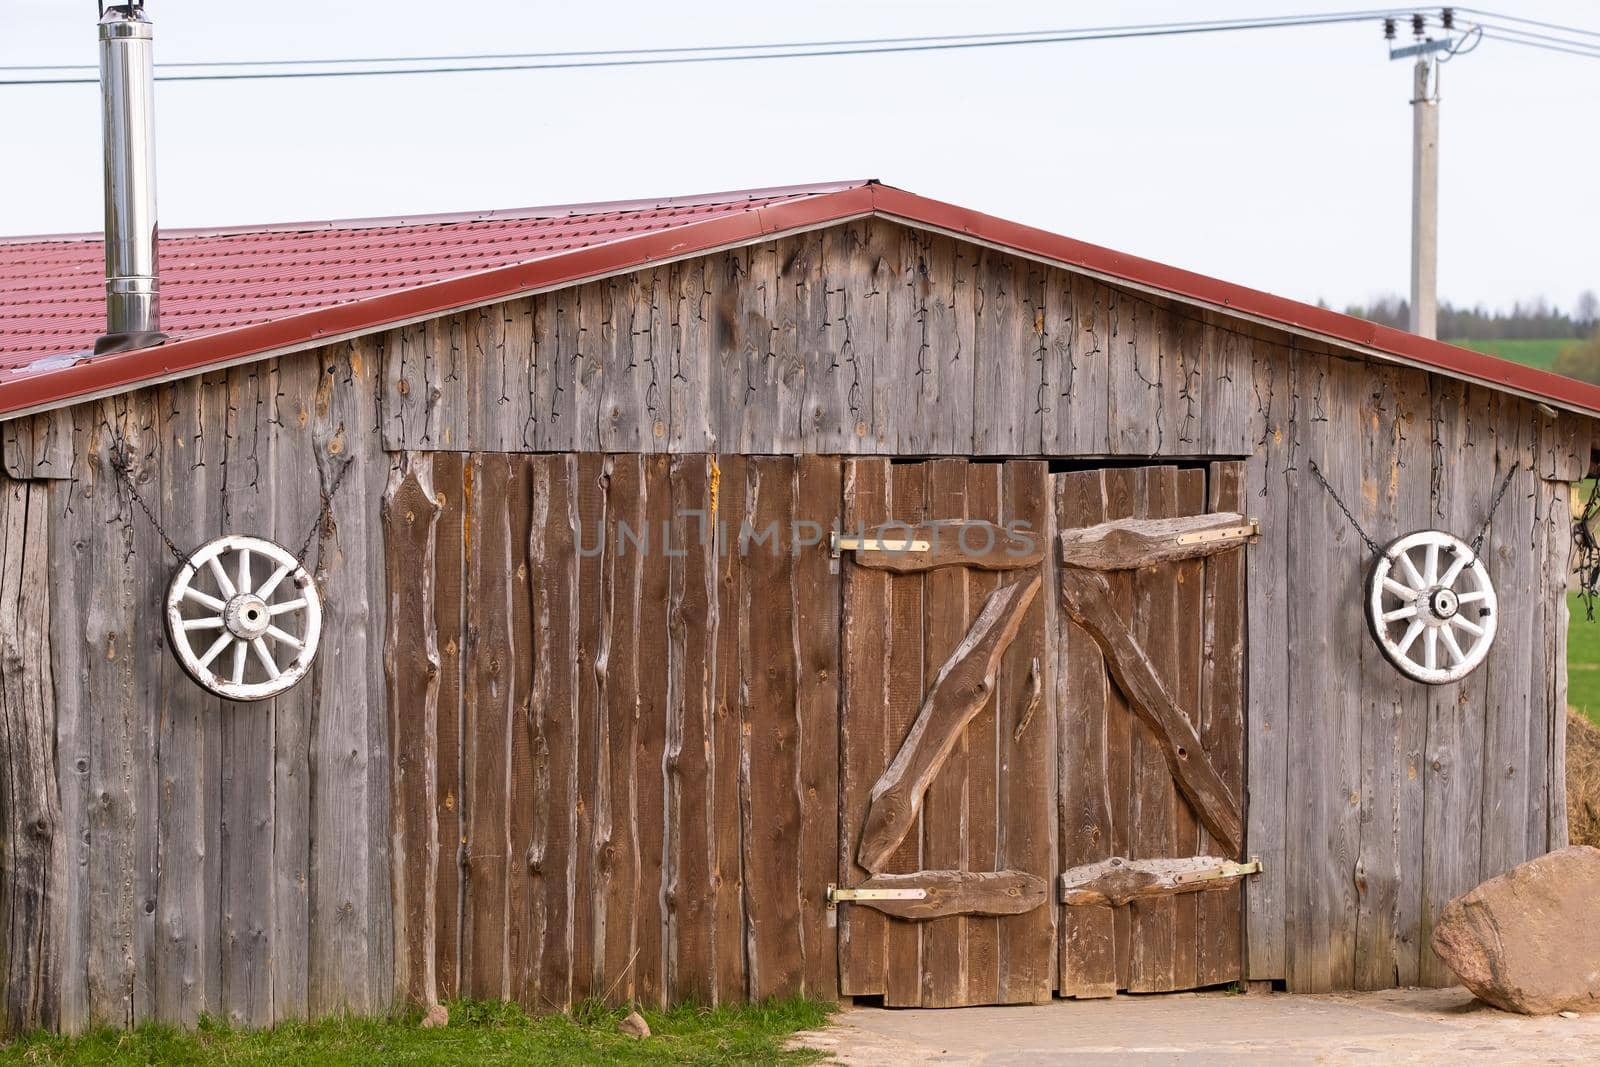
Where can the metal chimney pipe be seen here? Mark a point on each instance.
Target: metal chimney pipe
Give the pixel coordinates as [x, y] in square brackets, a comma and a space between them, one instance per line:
[127, 108]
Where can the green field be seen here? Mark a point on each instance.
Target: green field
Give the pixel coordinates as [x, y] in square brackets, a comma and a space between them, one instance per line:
[1583, 660]
[1539, 353]
[477, 1033]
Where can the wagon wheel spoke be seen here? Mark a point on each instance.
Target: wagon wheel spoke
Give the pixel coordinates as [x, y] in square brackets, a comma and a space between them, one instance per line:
[1448, 635]
[1466, 624]
[1417, 581]
[216, 649]
[1404, 592]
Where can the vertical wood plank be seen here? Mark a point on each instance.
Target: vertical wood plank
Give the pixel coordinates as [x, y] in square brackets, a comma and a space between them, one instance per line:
[649, 818]
[1075, 423]
[904, 674]
[728, 511]
[1009, 377]
[1125, 493]
[1154, 830]
[854, 326]
[1188, 623]
[614, 904]
[1219, 935]
[488, 709]
[1088, 932]
[33, 858]
[984, 503]
[1463, 479]
[411, 656]
[864, 748]
[948, 612]
[1134, 399]
[554, 858]
[690, 875]
[691, 411]
[769, 760]
[449, 473]
[1025, 730]
[1269, 481]
[814, 587]
[522, 794]
[593, 498]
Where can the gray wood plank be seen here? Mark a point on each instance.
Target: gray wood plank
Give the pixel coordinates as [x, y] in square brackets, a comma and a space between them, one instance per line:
[1009, 380]
[1269, 480]
[1464, 480]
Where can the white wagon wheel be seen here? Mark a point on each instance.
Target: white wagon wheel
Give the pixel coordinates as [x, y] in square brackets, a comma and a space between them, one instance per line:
[239, 639]
[1431, 606]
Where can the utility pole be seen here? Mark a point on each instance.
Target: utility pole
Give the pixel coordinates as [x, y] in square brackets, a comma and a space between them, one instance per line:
[1424, 168]
[1425, 198]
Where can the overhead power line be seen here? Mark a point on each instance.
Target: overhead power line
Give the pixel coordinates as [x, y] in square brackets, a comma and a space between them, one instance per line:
[1492, 25]
[491, 62]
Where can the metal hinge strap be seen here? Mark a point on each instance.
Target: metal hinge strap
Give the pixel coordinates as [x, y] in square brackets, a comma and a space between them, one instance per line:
[1225, 533]
[836, 895]
[852, 543]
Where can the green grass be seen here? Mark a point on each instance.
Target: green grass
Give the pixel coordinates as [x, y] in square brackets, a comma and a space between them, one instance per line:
[1540, 353]
[1583, 659]
[487, 1033]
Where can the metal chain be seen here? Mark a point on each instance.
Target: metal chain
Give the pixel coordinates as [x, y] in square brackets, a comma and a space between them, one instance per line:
[1587, 551]
[322, 516]
[1316, 471]
[1477, 542]
[121, 463]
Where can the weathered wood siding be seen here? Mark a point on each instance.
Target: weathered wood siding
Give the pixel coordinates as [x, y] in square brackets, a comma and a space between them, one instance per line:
[646, 698]
[235, 859]
[221, 858]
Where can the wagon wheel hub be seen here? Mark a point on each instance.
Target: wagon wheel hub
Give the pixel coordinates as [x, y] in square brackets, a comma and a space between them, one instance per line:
[245, 617]
[1443, 604]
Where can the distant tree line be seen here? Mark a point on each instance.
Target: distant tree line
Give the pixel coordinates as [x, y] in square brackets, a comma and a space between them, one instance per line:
[1535, 321]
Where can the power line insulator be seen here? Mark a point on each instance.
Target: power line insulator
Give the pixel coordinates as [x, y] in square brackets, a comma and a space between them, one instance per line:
[1447, 18]
[1416, 25]
[1388, 29]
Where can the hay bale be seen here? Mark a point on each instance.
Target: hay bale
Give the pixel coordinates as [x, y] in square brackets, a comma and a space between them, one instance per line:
[1583, 780]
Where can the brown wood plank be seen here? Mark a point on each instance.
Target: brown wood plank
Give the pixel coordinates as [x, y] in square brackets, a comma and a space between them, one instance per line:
[1188, 625]
[1219, 935]
[948, 613]
[983, 735]
[690, 890]
[449, 608]
[1152, 628]
[904, 671]
[815, 591]
[769, 763]
[951, 894]
[864, 749]
[617, 666]
[728, 501]
[1088, 599]
[969, 543]
[523, 794]
[1124, 498]
[1088, 932]
[648, 820]
[964, 684]
[411, 656]
[1026, 801]
[488, 709]
[1129, 544]
[593, 497]
[553, 862]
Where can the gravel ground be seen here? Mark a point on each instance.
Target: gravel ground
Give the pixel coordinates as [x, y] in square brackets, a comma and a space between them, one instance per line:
[1412, 1026]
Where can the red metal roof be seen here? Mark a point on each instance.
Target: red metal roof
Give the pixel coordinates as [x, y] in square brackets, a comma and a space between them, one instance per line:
[229, 295]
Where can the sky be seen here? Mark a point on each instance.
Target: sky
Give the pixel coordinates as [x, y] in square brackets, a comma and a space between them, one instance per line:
[1279, 159]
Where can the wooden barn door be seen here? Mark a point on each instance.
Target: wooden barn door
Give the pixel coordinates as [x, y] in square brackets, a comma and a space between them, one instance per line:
[1151, 675]
[947, 737]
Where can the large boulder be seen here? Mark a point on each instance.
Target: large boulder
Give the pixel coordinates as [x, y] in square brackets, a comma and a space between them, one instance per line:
[1528, 940]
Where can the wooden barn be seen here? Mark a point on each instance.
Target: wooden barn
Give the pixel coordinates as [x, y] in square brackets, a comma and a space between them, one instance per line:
[817, 590]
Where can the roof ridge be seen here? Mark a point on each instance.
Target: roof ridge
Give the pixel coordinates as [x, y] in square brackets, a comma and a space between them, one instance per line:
[545, 211]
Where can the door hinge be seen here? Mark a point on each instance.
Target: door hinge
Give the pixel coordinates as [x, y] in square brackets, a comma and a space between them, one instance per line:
[836, 895]
[1251, 529]
[851, 543]
[1223, 870]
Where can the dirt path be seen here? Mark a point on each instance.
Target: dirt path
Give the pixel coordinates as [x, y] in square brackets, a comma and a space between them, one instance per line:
[1418, 1026]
